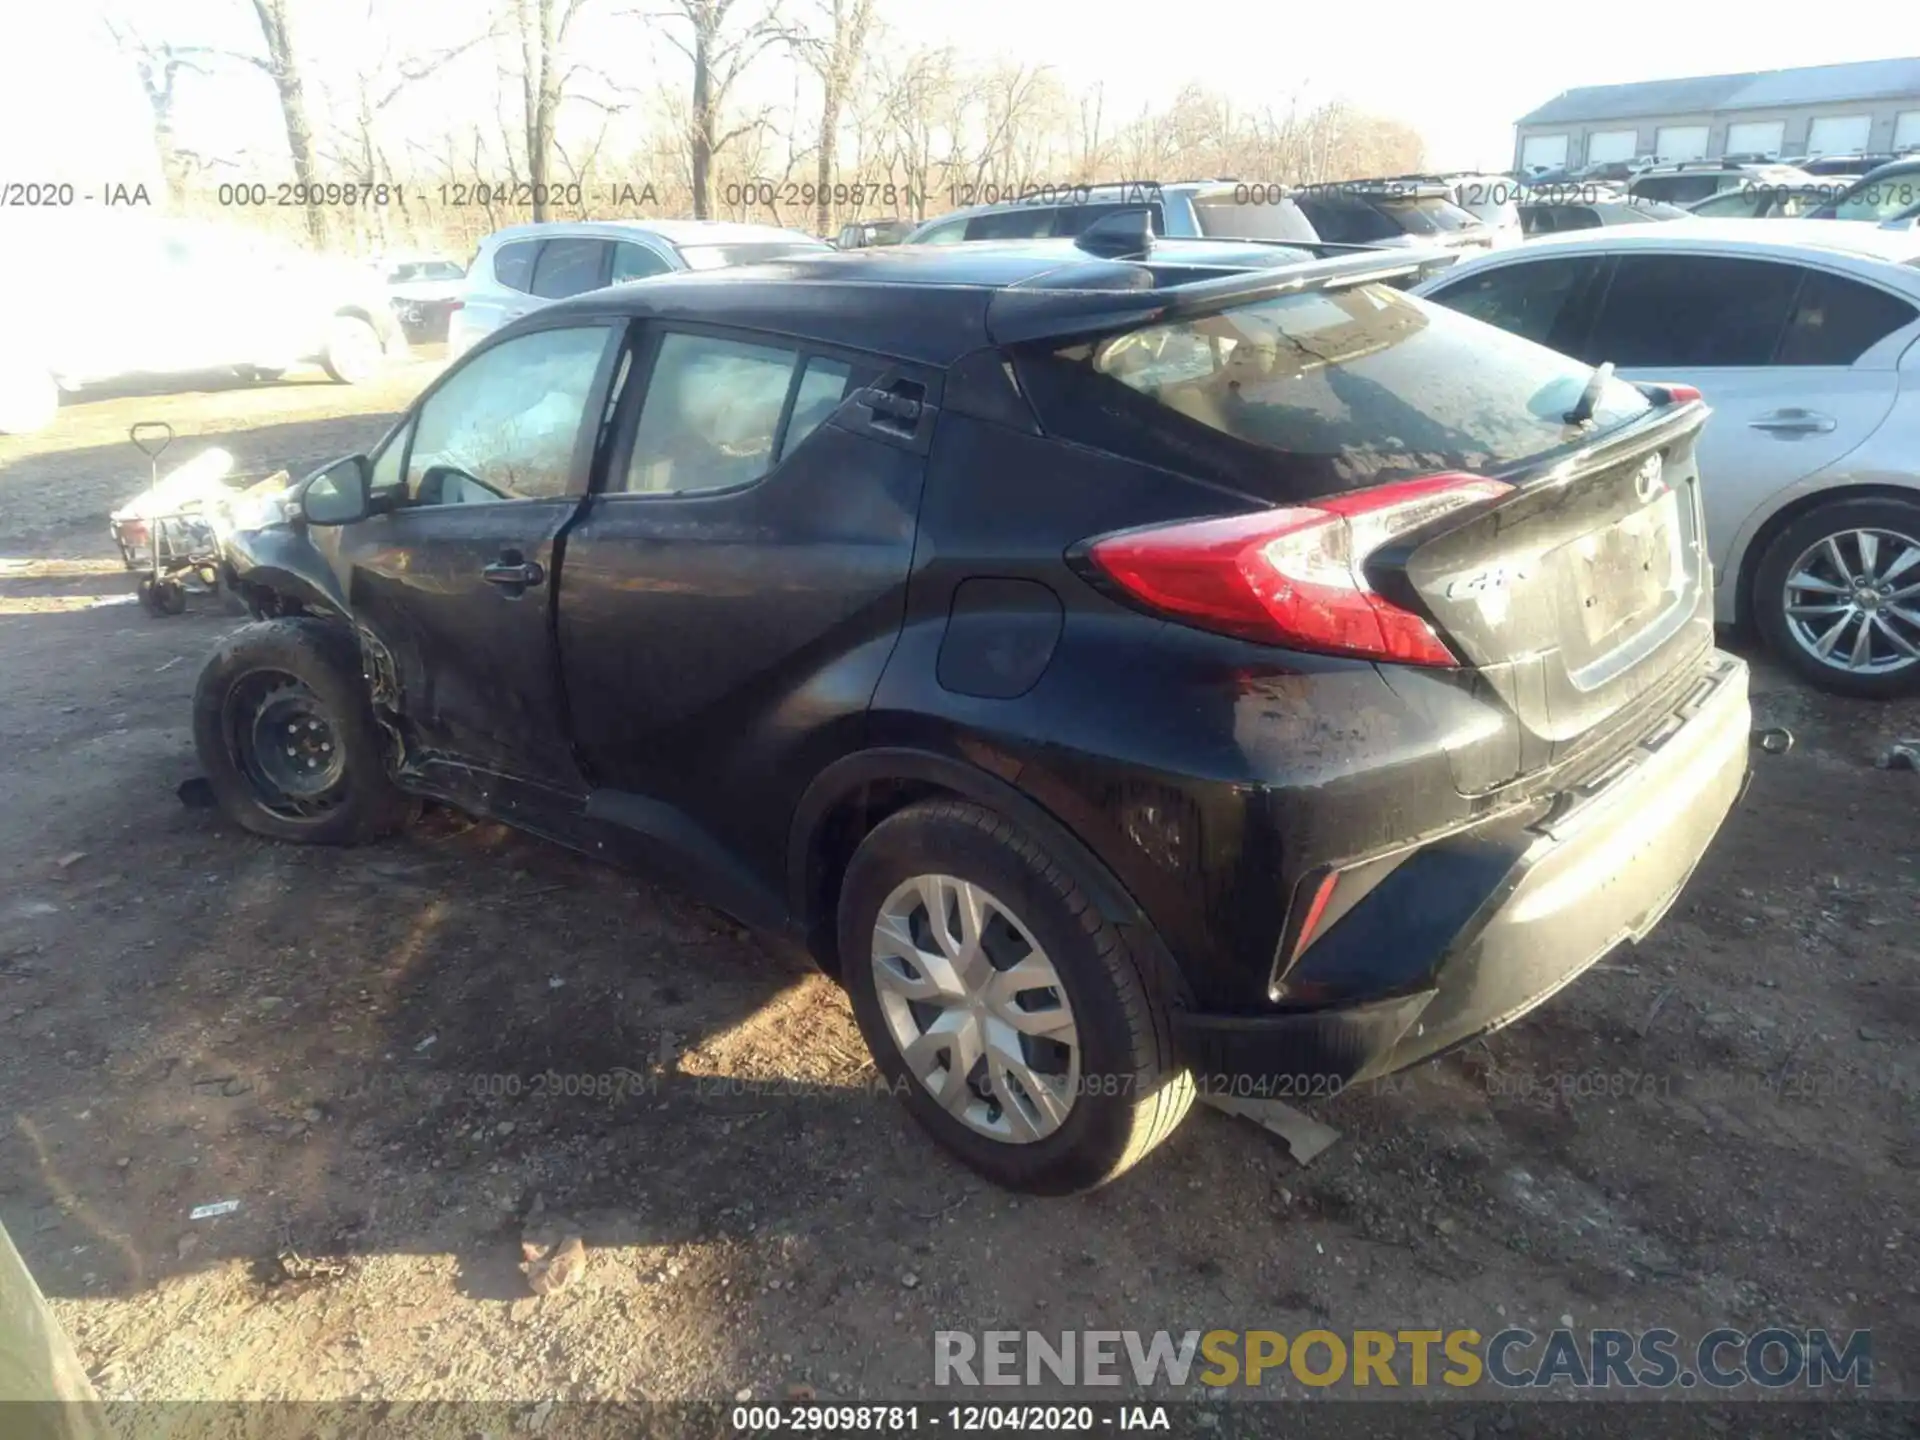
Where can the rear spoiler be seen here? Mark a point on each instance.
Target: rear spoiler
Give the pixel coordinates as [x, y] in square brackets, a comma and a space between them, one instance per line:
[1020, 315]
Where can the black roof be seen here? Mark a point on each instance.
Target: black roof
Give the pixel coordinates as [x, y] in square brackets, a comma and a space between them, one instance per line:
[935, 303]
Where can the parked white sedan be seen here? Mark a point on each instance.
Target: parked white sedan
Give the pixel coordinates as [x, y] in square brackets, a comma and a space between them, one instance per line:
[1804, 337]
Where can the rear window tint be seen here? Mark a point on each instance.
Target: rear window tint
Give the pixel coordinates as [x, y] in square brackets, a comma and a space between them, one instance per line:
[1314, 393]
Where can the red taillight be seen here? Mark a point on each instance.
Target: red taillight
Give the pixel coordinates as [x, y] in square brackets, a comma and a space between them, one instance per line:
[1677, 394]
[1295, 577]
[454, 305]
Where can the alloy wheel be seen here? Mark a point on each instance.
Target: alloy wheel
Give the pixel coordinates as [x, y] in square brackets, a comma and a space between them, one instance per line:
[976, 1007]
[1852, 601]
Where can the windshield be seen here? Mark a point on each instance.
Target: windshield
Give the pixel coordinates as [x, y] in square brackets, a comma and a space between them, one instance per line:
[1224, 220]
[718, 257]
[1312, 393]
[426, 270]
[1881, 199]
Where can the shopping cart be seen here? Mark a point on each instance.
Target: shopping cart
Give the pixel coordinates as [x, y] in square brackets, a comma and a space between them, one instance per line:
[170, 535]
[163, 536]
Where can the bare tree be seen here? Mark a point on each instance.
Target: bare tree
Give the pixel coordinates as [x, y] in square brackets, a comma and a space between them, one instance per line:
[376, 87]
[160, 64]
[281, 64]
[834, 54]
[541, 27]
[720, 55]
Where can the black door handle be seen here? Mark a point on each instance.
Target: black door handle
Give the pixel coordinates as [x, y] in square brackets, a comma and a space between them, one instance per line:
[513, 576]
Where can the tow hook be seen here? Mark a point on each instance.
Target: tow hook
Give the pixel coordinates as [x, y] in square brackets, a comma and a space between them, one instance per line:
[1777, 740]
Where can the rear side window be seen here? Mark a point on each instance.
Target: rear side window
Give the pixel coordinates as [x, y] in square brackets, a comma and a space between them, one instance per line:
[1345, 222]
[569, 265]
[513, 264]
[711, 419]
[635, 262]
[1693, 310]
[1546, 301]
[1029, 222]
[1308, 394]
[1838, 320]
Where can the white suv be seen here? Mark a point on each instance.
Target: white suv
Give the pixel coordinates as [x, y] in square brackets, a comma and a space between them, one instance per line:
[95, 300]
[520, 268]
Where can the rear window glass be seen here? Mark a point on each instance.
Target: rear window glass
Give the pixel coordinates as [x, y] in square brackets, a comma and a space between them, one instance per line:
[1427, 216]
[1349, 222]
[1223, 220]
[1881, 199]
[1313, 393]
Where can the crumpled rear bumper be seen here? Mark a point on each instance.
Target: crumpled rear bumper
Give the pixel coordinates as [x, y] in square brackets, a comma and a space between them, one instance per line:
[1602, 867]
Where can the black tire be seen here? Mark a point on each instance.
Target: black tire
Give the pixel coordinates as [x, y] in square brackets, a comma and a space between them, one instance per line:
[354, 353]
[277, 667]
[1121, 1013]
[1836, 517]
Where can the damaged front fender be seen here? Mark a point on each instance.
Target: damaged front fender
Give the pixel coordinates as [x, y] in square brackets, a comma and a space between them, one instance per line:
[278, 570]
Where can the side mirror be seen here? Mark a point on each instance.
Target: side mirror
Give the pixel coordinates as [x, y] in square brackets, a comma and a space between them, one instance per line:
[339, 493]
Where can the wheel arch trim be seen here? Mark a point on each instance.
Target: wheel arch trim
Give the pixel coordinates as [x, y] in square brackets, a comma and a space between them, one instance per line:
[1765, 525]
[846, 777]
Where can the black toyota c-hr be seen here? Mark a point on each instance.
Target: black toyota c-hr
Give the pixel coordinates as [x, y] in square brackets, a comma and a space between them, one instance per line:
[1128, 671]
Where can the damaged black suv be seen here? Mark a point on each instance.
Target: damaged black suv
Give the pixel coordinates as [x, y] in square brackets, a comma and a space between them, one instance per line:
[1127, 672]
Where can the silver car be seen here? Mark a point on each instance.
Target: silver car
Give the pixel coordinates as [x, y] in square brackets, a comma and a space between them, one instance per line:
[521, 268]
[1804, 337]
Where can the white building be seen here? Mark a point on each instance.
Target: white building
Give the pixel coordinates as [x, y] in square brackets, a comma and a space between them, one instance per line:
[1873, 105]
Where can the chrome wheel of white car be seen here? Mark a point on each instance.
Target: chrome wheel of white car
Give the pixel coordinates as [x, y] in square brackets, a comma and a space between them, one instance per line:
[978, 1010]
[29, 400]
[354, 352]
[1852, 601]
[1836, 595]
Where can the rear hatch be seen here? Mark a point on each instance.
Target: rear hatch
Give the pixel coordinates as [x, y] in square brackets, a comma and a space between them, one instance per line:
[1420, 498]
[1582, 593]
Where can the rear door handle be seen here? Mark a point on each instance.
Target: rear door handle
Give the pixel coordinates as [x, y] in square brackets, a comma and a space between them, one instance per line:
[1794, 422]
[513, 576]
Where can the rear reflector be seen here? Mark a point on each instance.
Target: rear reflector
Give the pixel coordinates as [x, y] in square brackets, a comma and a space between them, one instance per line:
[1295, 577]
[1318, 907]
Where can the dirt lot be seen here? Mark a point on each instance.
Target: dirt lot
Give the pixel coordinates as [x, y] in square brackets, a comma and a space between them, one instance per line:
[379, 1055]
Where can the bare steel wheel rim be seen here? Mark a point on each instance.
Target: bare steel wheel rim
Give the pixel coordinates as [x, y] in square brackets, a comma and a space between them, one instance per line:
[1852, 601]
[976, 1008]
[284, 743]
